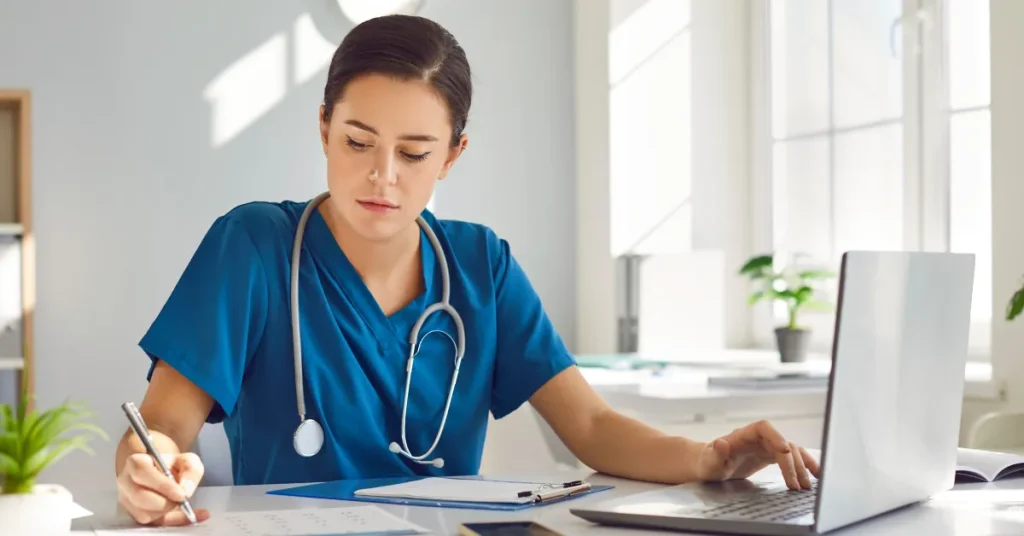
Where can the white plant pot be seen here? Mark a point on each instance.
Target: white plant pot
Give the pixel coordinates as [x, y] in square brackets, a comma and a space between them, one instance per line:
[46, 510]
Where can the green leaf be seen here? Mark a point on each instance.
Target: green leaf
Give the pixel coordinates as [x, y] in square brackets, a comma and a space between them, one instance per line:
[9, 467]
[1016, 305]
[31, 440]
[755, 297]
[803, 294]
[51, 455]
[787, 294]
[757, 266]
[56, 422]
[7, 417]
[9, 444]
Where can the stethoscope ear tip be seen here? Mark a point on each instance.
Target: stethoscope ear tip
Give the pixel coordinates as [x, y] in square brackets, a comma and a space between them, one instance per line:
[393, 447]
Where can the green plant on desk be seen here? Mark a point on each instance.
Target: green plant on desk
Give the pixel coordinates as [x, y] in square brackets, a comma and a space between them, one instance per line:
[31, 441]
[796, 287]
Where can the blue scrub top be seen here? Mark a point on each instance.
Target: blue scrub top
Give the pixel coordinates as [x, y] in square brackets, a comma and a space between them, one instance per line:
[227, 327]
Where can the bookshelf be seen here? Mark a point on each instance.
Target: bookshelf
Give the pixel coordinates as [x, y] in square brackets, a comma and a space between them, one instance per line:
[17, 243]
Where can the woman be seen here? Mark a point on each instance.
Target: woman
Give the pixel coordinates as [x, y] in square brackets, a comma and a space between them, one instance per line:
[391, 124]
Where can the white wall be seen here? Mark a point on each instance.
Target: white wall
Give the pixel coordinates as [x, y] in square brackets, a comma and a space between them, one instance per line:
[705, 150]
[129, 171]
[595, 283]
[1006, 17]
[722, 218]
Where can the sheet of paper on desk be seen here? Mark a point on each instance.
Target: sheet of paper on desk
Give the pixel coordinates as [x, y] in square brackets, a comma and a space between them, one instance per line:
[360, 520]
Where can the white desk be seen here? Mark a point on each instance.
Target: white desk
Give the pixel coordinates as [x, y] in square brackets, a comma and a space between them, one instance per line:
[961, 512]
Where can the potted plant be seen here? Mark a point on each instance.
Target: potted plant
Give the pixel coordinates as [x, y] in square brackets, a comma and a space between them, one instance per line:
[796, 287]
[31, 441]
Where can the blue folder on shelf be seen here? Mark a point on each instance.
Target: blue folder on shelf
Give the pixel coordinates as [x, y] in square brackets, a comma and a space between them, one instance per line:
[349, 490]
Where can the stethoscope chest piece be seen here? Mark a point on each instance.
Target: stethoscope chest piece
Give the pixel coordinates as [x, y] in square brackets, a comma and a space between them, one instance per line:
[309, 438]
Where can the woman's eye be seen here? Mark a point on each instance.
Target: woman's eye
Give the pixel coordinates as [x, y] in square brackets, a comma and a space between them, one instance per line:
[355, 144]
[416, 157]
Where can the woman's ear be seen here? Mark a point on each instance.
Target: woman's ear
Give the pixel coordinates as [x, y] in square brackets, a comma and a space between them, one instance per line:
[324, 128]
[453, 154]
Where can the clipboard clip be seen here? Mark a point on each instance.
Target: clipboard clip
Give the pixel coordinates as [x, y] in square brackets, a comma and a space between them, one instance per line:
[556, 491]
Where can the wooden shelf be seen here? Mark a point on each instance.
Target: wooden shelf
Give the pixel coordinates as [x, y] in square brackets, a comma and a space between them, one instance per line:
[16, 218]
[11, 229]
[12, 363]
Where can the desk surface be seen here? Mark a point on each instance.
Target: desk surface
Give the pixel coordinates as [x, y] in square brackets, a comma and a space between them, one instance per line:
[971, 509]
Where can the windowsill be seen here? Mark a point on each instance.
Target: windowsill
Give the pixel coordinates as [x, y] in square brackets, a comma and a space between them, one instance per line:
[978, 381]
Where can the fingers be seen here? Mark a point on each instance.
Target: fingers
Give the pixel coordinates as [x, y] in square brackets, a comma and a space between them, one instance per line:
[176, 518]
[760, 434]
[172, 518]
[766, 431]
[722, 448]
[800, 466]
[188, 469]
[143, 472]
[810, 463]
[788, 468]
[150, 497]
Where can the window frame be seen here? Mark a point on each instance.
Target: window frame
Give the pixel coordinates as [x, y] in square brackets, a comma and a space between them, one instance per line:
[925, 122]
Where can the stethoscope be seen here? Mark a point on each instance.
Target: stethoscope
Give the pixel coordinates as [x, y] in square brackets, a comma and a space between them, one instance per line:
[309, 436]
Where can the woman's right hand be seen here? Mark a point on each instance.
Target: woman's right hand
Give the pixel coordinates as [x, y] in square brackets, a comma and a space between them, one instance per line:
[150, 497]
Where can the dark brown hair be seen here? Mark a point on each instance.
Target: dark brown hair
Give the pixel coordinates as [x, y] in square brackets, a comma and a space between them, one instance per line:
[406, 47]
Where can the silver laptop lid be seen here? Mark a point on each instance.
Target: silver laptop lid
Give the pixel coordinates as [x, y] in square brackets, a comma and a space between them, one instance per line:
[893, 414]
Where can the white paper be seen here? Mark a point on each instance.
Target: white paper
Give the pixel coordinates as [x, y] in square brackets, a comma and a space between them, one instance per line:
[76, 511]
[459, 489]
[306, 522]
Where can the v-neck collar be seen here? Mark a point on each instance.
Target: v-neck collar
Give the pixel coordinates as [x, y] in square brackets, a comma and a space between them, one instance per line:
[387, 329]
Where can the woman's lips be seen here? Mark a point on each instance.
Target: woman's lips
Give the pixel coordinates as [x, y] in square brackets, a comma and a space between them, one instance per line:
[378, 207]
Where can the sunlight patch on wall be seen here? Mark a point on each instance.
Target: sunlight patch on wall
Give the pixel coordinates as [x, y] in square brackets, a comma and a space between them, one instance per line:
[650, 152]
[248, 89]
[359, 11]
[312, 51]
[651, 27]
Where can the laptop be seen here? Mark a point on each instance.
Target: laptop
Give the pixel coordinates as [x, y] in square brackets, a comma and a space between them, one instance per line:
[892, 416]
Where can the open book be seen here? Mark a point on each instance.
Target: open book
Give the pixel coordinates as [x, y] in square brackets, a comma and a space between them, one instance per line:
[987, 466]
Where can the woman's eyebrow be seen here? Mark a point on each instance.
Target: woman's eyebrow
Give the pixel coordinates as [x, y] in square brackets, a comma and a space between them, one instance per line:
[408, 137]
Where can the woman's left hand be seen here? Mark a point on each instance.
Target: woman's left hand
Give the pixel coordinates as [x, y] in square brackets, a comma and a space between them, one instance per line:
[749, 449]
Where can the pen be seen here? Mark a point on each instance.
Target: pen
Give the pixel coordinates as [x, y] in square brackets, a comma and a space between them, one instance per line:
[574, 483]
[135, 419]
[558, 493]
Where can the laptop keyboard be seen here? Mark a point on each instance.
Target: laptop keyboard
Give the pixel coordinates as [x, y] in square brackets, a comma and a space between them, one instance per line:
[774, 505]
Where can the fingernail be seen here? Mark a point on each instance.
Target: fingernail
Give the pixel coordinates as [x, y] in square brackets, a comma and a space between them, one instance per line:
[188, 487]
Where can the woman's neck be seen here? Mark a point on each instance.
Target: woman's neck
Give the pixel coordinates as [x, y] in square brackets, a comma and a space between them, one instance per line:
[384, 262]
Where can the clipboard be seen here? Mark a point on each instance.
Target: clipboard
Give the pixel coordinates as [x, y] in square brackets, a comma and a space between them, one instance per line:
[346, 490]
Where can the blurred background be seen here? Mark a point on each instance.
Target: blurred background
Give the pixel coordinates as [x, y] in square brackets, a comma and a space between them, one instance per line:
[635, 153]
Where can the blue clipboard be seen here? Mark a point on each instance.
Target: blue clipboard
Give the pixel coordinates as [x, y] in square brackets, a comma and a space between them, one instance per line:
[345, 490]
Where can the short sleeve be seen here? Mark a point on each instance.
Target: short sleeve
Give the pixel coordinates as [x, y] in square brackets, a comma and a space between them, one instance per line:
[214, 318]
[529, 349]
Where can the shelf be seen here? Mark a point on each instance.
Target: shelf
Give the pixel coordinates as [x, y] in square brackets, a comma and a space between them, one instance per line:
[12, 363]
[11, 229]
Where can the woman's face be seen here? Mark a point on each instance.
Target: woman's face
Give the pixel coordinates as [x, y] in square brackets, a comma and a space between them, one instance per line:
[387, 143]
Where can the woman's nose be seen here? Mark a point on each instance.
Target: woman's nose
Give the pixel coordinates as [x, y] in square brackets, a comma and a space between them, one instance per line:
[385, 167]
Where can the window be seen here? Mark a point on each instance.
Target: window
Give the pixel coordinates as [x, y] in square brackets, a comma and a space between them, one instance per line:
[874, 135]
